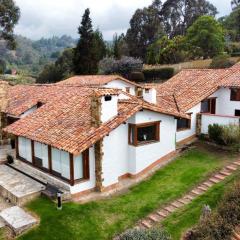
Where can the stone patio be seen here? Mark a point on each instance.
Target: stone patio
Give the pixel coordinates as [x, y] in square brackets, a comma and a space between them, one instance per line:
[17, 219]
[17, 187]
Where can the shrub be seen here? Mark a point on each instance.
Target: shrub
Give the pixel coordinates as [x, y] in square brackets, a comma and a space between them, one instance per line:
[137, 76]
[231, 135]
[215, 132]
[158, 74]
[124, 66]
[141, 234]
[221, 61]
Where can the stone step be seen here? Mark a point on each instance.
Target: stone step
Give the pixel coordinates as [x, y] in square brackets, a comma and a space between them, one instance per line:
[203, 188]
[208, 184]
[147, 224]
[162, 213]
[225, 173]
[219, 176]
[177, 204]
[17, 219]
[231, 167]
[184, 201]
[197, 192]
[170, 209]
[214, 180]
[237, 163]
[154, 218]
[190, 197]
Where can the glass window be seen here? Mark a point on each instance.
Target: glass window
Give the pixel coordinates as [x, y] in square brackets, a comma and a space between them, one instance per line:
[144, 133]
[183, 124]
[235, 94]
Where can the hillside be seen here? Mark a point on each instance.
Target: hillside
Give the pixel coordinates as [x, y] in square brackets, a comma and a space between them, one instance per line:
[30, 56]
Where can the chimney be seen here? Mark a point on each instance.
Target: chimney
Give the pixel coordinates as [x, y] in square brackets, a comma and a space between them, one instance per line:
[150, 95]
[103, 108]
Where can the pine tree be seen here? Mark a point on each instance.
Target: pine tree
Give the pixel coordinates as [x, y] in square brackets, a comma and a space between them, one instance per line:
[85, 60]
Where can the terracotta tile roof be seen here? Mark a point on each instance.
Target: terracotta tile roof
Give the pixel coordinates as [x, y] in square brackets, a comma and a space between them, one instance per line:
[189, 87]
[94, 80]
[64, 120]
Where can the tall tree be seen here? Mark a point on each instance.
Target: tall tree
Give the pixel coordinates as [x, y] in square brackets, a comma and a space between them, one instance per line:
[86, 54]
[206, 37]
[145, 28]
[235, 4]
[120, 47]
[179, 15]
[9, 16]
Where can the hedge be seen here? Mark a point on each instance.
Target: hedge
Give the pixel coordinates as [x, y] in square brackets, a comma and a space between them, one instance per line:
[158, 74]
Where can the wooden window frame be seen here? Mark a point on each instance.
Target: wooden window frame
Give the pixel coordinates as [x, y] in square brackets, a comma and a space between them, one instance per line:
[189, 124]
[135, 128]
[232, 95]
[210, 105]
[127, 89]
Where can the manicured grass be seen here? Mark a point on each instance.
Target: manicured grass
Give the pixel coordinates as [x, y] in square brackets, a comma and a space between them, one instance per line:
[185, 218]
[103, 219]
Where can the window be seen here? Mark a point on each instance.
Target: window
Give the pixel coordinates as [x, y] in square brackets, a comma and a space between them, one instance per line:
[235, 94]
[237, 113]
[144, 133]
[128, 89]
[183, 124]
[208, 106]
[139, 92]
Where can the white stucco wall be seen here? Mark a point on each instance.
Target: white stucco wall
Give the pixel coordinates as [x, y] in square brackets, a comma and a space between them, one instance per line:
[181, 135]
[121, 85]
[150, 95]
[90, 183]
[109, 109]
[121, 158]
[224, 106]
[208, 119]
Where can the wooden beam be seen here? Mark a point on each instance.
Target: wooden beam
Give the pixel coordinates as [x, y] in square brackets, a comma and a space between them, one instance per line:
[33, 152]
[86, 174]
[50, 158]
[71, 169]
[17, 147]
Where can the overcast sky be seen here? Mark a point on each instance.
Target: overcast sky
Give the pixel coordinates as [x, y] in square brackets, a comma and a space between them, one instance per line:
[45, 18]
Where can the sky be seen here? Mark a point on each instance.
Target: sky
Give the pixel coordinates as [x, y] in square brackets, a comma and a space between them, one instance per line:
[47, 18]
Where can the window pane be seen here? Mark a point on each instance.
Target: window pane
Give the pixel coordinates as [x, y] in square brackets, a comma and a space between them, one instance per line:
[146, 133]
[205, 106]
[183, 123]
[132, 134]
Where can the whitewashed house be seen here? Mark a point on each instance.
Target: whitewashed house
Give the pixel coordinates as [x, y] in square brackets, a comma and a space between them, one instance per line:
[85, 139]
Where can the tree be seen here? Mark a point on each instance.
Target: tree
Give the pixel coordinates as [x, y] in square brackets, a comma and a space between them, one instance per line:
[145, 28]
[120, 47]
[9, 16]
[235, 4]
[179, 15]
[3, 66]
[167, 51]
[206, 37]
[90, 48]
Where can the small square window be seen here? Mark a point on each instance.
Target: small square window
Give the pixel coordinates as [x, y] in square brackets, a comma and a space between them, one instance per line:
[237, 113]
[235, 94]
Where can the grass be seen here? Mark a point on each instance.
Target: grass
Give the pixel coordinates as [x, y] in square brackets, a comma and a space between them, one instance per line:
[185, 218]
[103, 219]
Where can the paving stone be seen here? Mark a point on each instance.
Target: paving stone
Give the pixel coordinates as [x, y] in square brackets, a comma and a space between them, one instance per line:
[189, 196]
[17, 219]
[197, 191]
[203, 188]
[237, 163]
[146, 224]
[232, 167]
[154, 217]
[184, 200]
[208, 184]
[177, 204]
[219, 176]
[214, 180]
[162, 213]
[225, 173]
[170, 209]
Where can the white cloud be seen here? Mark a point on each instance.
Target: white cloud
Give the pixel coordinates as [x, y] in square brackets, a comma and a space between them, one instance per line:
[57, 17]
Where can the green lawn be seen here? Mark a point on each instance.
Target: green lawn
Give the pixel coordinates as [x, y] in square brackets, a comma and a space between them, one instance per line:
[103, 219]
[185, 218]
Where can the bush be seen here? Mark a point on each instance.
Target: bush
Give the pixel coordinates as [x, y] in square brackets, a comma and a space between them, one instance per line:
[158, 74]
[221, 61]
[219, 225]
[124, 66]
[215, 132]
[137, 76]
[141, 234]
[231, 135]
